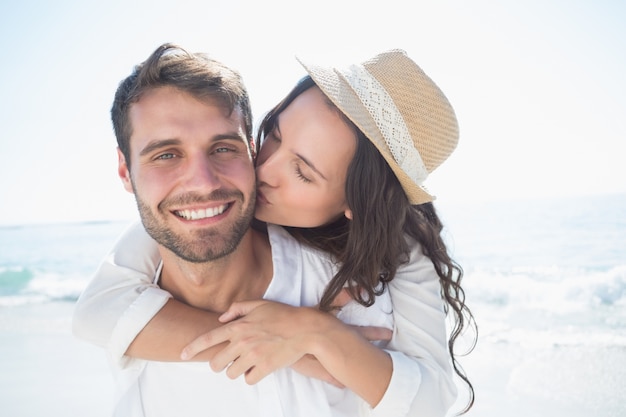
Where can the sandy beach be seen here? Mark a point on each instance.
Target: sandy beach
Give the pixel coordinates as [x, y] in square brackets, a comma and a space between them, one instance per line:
[45, 371]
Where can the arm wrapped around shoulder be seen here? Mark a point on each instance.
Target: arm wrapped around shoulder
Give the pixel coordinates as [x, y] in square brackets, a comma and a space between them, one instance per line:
[121, 297]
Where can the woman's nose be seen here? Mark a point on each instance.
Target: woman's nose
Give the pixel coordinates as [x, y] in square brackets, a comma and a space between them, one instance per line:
[268, 164]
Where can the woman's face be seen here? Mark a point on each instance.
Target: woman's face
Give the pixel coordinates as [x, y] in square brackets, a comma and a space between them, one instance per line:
[302, 165]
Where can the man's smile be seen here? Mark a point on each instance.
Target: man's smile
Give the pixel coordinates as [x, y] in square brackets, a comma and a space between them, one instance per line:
[198, 214]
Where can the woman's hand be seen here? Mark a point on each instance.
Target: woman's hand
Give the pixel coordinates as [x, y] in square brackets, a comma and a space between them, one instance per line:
[260, 337]
[263, 336]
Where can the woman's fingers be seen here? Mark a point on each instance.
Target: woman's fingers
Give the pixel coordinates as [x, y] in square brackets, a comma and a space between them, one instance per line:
[221, 334]
[204, 342]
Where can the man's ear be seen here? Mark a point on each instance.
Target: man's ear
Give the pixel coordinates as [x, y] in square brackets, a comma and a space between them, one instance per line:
[123, 171]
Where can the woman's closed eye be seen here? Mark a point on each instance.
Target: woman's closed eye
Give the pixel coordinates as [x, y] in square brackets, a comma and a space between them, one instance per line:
[301, 175]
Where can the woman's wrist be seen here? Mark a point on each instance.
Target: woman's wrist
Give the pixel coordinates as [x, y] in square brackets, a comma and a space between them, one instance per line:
[343, 351]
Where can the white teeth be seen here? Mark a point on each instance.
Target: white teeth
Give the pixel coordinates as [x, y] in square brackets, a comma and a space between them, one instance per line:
[201, 214]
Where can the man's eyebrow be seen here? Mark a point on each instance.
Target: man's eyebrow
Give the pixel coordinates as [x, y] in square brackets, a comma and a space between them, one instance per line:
[236, 136]
[306, 161]
[157, 144]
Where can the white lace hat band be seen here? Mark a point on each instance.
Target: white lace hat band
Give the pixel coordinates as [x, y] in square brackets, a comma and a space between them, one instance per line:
[388, 119]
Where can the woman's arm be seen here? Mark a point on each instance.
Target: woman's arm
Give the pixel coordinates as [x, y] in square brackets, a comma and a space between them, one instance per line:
[125, 312]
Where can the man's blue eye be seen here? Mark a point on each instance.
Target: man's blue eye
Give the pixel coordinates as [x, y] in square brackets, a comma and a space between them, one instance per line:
[225, 149]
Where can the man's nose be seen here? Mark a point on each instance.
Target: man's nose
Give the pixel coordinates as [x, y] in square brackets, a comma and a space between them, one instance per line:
[201, 174]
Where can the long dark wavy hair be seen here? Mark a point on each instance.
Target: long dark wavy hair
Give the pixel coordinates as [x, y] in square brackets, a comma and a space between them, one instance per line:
[371, 246]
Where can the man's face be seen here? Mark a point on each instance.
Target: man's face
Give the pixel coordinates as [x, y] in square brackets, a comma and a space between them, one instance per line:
[191, 173]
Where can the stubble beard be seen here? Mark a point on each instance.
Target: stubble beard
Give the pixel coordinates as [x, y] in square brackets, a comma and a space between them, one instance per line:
[203, 245]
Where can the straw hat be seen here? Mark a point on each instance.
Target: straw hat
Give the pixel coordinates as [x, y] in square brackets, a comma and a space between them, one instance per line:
[400, 109]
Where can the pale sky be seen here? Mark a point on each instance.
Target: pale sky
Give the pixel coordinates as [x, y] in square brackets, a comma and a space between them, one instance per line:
[538, 87]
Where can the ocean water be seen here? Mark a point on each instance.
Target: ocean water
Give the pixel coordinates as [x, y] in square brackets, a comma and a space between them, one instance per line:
[546, 281]
[51, 263]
